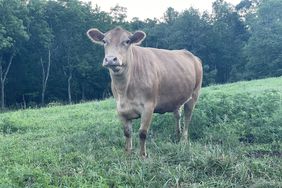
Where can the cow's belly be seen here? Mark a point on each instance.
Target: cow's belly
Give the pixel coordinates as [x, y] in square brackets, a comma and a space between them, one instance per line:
[171, 98]
[168, 104]
[176, 87]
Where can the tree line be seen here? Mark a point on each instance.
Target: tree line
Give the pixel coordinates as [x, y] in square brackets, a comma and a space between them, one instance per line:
[45, 55]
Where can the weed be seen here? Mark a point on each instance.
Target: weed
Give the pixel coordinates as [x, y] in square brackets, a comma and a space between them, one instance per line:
[235, 141]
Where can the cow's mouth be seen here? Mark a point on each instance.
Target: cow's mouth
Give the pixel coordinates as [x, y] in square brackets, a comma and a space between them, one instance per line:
[115, 68]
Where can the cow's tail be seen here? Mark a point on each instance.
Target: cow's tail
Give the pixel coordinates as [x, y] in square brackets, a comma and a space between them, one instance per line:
[199, 78]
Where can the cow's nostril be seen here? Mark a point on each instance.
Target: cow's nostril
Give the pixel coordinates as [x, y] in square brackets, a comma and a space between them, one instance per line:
[115, 59]
[106, 59]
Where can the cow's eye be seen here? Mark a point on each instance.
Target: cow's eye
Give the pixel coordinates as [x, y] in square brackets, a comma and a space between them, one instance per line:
[127, 42]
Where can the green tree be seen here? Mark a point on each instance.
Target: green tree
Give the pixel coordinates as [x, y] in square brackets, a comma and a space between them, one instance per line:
[263, 50]
[13, 16]
[229, 35]
[170, 15]
[118, 14]
[76, 56]
[246, 7]
[41, 40]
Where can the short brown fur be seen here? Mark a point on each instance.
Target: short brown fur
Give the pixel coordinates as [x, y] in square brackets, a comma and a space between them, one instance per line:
[150, 80]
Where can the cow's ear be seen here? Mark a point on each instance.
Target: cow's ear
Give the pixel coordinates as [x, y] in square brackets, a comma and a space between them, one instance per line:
[96, 36]
[137, 37]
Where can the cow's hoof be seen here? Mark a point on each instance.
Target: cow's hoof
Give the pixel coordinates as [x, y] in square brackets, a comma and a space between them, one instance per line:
[144, 156]
[184, 141]
[177, 138]
[128, 151]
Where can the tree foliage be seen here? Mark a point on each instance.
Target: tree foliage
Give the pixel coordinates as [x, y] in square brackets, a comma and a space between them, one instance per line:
[263, 50]
[45, 54]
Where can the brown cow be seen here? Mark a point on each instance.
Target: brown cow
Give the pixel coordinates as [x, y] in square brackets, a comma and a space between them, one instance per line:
[148, 80]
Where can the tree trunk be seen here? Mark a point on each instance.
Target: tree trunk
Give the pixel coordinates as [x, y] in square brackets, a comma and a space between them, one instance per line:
[43, 83]
[45, 76]
[2, 95]
[69, 87]
[2, 85]
[69, 76]
[3, 77]
[82, 92]
[43, 97]
[24, 102]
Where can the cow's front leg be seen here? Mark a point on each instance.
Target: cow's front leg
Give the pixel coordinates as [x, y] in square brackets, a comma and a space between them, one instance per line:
[127, 129]
[146, 118]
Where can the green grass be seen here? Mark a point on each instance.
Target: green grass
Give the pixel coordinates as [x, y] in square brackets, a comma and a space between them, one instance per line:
[235, 141]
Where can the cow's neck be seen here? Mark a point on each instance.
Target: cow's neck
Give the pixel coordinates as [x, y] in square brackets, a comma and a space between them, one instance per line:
[121, 82]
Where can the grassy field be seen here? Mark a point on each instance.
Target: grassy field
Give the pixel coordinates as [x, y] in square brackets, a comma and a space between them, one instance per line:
[235, 141]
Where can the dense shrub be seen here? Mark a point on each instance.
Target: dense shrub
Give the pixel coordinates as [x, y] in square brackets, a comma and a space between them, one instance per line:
[224, 117]
[249, 117]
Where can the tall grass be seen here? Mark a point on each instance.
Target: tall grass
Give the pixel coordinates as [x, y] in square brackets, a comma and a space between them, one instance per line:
[235, 141]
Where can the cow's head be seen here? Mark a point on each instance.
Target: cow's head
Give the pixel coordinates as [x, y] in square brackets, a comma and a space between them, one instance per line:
[116, 42]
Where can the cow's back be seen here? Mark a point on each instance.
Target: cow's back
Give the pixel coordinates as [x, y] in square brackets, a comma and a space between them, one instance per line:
[172, 75]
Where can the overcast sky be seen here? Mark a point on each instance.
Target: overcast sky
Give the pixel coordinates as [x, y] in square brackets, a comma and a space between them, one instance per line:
[155, 8]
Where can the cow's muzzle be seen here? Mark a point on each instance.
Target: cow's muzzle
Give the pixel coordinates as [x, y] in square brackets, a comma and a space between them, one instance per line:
[111, 61]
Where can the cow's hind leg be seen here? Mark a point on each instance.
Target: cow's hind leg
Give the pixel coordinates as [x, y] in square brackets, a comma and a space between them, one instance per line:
[188, 109]
[177, 116]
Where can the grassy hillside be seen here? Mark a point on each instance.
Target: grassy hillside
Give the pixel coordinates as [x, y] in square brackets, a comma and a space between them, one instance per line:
[236, 141]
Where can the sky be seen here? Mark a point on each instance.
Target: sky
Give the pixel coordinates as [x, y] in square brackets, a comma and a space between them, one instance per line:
[155, 8]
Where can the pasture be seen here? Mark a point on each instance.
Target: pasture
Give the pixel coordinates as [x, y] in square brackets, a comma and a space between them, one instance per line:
[235, 141]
